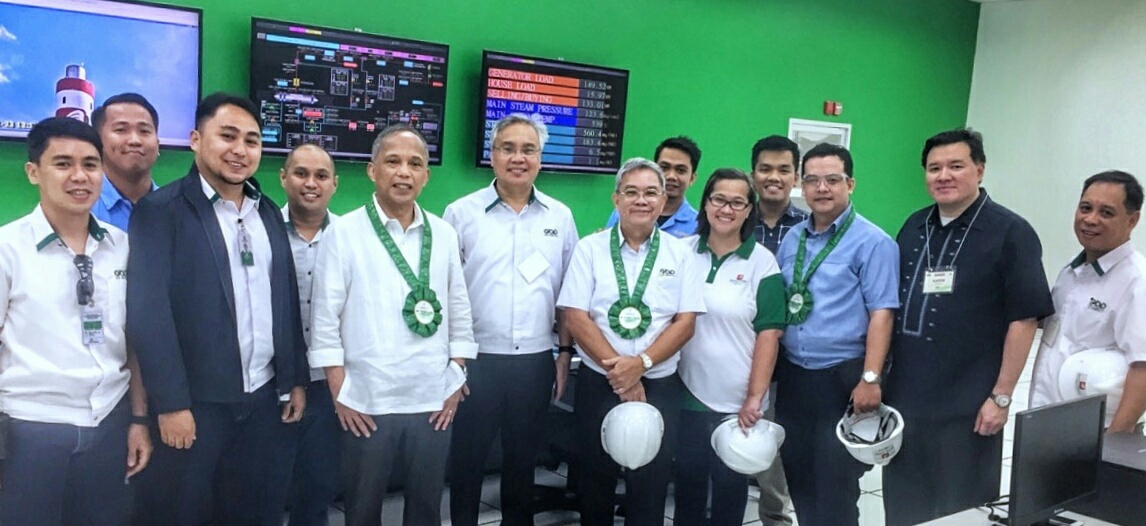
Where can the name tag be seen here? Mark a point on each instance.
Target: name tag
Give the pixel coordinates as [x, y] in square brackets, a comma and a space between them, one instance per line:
[533, 267]
[939, 280]
[91, 325]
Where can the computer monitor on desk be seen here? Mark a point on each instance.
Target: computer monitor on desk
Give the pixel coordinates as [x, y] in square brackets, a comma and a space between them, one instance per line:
[1058, 449]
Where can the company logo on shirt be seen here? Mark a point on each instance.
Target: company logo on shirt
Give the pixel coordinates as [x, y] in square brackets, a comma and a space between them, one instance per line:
[667, 272]
[550, 232]
[121, 273]
[1096, 305]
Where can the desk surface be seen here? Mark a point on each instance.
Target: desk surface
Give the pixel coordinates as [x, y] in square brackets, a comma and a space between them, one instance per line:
[978, 517]
[1125, 449]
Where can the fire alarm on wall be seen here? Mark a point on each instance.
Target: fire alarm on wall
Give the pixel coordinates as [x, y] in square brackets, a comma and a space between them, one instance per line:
[832, 107]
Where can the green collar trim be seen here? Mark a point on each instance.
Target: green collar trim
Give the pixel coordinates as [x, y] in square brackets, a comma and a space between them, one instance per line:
[97, 233]
[744, 251]
[497, 197]
[1078, 261]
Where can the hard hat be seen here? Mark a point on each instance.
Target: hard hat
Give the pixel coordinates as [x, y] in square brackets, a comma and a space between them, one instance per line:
[874, 437]
[748, 453]
[631, 433]
[1094, 371]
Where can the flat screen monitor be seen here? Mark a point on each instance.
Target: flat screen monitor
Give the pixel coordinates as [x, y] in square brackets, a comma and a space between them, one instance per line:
[65, 57]
[582, 105]
[338, 88]
[1058, 450]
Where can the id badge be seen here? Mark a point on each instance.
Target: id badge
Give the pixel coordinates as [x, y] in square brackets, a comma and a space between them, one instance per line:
[939, 280]
[91, 320]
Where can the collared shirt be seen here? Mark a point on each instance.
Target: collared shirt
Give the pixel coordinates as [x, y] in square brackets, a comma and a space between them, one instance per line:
[112, 207]
[771, 237]
[858, 277]
[591, 286]
[47, 373]
[947, 349]
[357, 321]
[744, 295]
[681, 223]
[305, 254]
[251, 284]
[514, 263]
[1097, 306]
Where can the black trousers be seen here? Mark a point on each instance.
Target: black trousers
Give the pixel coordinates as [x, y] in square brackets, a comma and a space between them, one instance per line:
[697, 465]
[646, 487]
[367, 462]
[823, 478]
[971, 466]
[510, 394]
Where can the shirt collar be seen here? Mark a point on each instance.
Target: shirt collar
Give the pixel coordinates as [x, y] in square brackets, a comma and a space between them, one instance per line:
[250, 191]
[386, 219]
[836, 224]
[744, 250]
[792, 211]
[290, 224]
[44, 234]
[642, 246]
[490, 193]
[683, 214]
[964, 219]
[1103, 264]
[110, 196]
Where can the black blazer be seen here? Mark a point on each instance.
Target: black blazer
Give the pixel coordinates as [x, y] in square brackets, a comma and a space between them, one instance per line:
[181, 305]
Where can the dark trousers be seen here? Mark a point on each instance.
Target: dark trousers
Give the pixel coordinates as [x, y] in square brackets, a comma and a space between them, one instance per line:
[970, 464]
[232, 473]
[315, 481]
[58, 474]
[773, 485]
[823, 477]
[696, 465]
[367, 462]
[646, 487]
[509, 394]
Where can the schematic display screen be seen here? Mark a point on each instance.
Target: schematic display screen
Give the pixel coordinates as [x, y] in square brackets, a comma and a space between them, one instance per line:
[339, 88]
[583, 107]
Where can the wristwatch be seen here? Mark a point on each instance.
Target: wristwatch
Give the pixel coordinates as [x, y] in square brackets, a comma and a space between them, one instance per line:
[566, 349]
[870, 377]
[646, 361]
[1001, 400]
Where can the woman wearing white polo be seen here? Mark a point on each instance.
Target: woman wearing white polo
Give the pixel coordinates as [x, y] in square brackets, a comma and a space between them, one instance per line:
[727, 365]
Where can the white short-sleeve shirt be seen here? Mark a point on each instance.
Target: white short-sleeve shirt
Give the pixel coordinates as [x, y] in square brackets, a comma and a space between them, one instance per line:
[591, 285]
[1100, 305]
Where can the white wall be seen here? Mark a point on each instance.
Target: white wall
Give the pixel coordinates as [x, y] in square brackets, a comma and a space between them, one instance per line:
[1059, 93]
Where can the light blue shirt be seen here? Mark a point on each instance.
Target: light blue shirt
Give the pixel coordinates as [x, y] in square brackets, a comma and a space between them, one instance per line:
[681, 224]
[112, 207]
[860, 276]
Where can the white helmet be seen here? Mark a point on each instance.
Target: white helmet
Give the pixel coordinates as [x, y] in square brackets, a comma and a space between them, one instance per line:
[750, 453]
[631, 433]
[872, 438]
[1094, 371]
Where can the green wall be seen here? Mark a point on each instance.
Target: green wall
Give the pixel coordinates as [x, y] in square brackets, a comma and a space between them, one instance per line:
[725, 72]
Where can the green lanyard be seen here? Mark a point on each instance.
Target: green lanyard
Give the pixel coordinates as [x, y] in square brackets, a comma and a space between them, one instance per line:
[799, 296]
[629, 317]
[422, 310]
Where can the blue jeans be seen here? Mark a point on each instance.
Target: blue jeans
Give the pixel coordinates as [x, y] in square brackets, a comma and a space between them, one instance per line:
[59, 474]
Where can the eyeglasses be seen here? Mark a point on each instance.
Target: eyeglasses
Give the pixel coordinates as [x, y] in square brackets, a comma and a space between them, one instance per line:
[831, 179]
[85, 288]
[508, 150]
[737, 205]
[632, 194]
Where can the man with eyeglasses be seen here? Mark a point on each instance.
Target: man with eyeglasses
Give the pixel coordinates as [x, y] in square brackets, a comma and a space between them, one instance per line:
[213, 311]
[631, 303]
[678, 159]
[973, 290]
[67, 381]
[515, 246]
[841, 273]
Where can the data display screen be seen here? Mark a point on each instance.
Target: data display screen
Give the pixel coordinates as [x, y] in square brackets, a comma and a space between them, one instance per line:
[339, 88]
[583, 107]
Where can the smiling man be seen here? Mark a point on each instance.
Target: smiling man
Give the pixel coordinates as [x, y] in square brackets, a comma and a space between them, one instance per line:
[678, 159]
[774, 175]
[128, 125]
[972, 292]
[212, 311]
[1100, 298]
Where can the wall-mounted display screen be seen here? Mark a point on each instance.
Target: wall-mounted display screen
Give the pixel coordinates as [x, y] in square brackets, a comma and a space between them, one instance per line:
[65, 57]
[339, 88]
[582, 105]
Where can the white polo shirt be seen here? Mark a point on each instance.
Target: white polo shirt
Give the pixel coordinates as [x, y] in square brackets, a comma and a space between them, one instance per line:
[514, 263]
[744, 295]
[1100, 305]
[251, 284]
[591, 285]
[356, 317]
[47, 373]
[305, 254]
